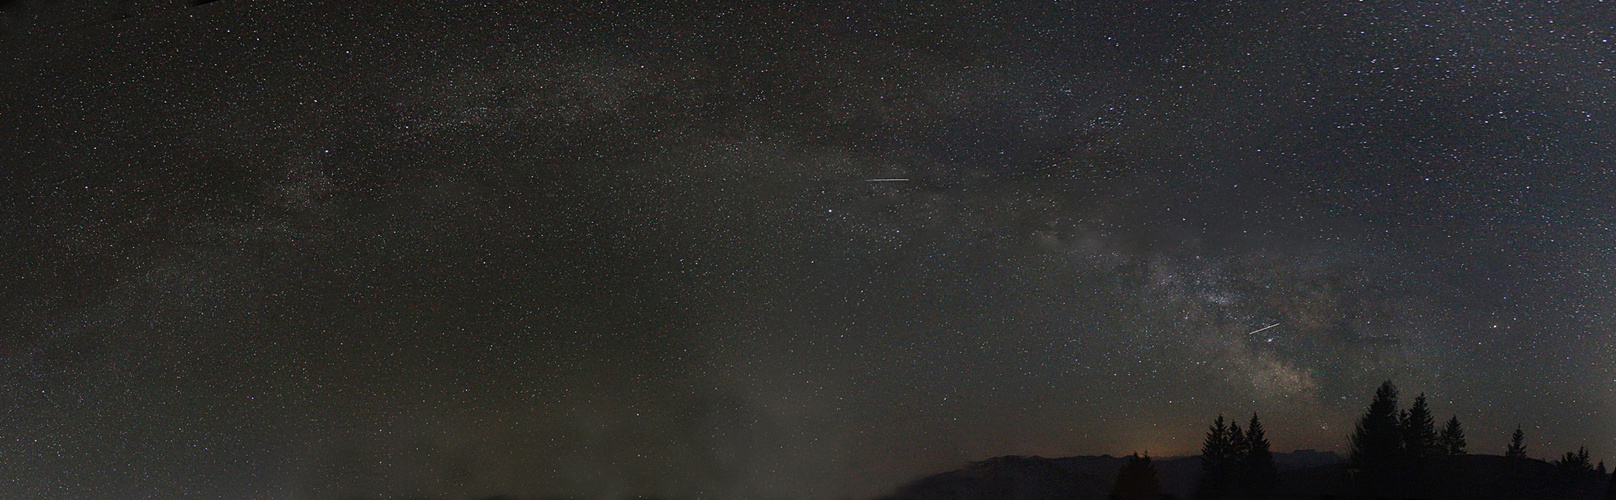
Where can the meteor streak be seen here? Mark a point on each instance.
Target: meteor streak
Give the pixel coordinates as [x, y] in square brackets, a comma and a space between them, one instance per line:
[1254, 332]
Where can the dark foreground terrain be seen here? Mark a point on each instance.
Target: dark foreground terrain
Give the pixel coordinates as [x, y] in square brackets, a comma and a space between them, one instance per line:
[1303, 475]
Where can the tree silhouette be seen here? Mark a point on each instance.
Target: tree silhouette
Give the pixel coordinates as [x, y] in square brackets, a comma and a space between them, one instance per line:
[1217, 472]
[1376, 441]
[1517, 445]
[1452, 441]
[1610, 491]
[1237, 442]
[1258, 474]
[1136, 480]
[1419, 432]
[1577, 463]
[1236, 455]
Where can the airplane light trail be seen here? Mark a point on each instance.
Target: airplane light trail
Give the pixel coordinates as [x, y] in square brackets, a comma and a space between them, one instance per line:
[886, 180]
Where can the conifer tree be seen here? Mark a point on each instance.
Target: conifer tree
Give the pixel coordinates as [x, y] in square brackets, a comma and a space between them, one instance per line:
[1236, 455]
[1237, 441]
[1419, 431]
[1610, 491]
[1517, 445]
[1137, 480]
[1376, 440]
[1216, 470]
[1258, 473]
[1576, 463]
[1452, 442]
[1601, 469]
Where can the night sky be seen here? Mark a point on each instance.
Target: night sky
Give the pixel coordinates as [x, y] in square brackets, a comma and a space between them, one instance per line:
[445, 251]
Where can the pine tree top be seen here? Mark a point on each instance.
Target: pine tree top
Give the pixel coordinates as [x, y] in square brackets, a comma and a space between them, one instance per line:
[1256, 438]
[1517, 445]
[1137, 479]
[1377, 439]
[1452, 440]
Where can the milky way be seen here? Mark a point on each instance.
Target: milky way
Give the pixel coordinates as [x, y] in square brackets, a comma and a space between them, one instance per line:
[444, 251]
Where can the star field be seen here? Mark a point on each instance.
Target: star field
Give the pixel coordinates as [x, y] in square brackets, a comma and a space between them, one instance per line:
[599, 251]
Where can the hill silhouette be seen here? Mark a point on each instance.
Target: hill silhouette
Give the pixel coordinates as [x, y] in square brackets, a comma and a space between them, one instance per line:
[1304, 474]
[1081, 477]
[1478, 477]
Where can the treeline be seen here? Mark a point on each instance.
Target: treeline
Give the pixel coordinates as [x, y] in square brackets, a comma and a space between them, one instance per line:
[1392, 449]
[1388, 440]
[1394, 452]
[1387, 437]
[1236, 462]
